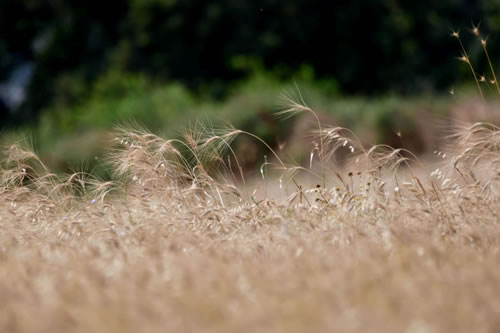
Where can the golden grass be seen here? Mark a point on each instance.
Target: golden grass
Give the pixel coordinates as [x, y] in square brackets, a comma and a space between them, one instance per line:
[178, 244]
[181, 242]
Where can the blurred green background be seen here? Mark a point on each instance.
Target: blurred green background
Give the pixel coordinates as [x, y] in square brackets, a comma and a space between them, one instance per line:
[71, 70]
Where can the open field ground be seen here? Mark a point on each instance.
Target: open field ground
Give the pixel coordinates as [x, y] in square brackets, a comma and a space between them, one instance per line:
[222, 166]
[177, 243]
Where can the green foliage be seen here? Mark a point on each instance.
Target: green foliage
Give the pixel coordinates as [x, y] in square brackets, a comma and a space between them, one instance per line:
[67, 135]
[365, 47]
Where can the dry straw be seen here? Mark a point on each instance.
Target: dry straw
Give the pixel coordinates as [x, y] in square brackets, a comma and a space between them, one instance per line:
[176, 243]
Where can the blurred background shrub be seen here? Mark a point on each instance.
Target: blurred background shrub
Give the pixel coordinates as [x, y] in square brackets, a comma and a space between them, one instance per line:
[71, 70]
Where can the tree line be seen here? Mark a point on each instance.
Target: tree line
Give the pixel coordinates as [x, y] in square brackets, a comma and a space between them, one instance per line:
[367, 47]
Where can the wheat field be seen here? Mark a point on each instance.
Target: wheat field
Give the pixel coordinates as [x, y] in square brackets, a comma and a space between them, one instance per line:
[180, 242]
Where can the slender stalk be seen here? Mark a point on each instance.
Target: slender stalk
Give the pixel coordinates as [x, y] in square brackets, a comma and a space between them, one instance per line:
[465, 58]
[265, 144]
[483, 44]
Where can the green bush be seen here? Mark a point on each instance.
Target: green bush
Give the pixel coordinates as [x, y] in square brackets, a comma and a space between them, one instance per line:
[67, 136]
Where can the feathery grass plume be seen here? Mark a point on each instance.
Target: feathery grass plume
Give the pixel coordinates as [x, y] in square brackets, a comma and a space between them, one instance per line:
[149, 159]
[23, 168]
[475, 149]
[218, 141]
[293, 103]
[338, 138]
[215, 143]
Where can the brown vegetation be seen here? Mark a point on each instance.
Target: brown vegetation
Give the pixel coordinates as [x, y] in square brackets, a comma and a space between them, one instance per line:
[179, 243]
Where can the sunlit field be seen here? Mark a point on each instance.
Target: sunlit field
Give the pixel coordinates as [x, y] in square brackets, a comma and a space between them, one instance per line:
[358, 239]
